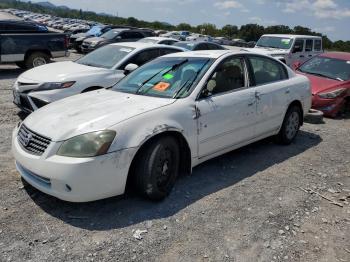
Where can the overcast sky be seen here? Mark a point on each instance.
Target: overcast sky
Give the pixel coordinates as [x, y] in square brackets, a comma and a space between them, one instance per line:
[331, 17]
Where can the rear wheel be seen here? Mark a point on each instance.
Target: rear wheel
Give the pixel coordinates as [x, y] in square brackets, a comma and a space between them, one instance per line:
[158, 168]
[291, 125]
[36, 59]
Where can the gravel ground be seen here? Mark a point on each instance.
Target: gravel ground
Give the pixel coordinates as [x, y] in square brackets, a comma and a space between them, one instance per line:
[253, 204]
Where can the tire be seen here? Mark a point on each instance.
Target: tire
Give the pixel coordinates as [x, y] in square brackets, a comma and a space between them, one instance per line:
[314, 117]
[21, 65]
[291, 125]
[158, 168]
[36, 59]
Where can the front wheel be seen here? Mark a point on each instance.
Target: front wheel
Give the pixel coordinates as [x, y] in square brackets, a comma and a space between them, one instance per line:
[291, 125]
[158, 168]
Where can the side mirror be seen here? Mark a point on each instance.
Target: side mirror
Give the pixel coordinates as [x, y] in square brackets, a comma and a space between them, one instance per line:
[129, 68]
[296, 65]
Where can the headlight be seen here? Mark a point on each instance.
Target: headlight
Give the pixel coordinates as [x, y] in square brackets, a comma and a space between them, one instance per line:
[93, 43]
[56, 85]
[87, 145]
[332, 94]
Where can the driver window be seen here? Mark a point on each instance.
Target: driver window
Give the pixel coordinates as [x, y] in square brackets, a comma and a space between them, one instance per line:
[228, 76]
[298, 46]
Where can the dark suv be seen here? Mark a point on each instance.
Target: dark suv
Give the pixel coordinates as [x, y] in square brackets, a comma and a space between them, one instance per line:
[116, 35]
[20, 27]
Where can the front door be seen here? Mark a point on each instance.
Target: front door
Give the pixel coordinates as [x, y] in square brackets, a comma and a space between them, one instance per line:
[226, 112]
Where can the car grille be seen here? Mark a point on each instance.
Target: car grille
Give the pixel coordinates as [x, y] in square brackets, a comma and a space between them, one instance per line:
[32, 142]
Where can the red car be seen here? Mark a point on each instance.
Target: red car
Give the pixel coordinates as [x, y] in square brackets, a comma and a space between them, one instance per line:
[329, 74]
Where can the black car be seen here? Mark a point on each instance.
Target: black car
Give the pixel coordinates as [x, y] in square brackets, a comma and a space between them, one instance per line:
[116, 35]
[194, 46]
[21, 27]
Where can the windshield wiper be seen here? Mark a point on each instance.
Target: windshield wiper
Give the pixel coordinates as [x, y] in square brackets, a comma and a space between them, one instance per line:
[185, 84]
[322, 75]
[149, 79]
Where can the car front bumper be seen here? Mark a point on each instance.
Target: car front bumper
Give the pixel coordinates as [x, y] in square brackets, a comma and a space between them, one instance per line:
[74, 179]
[329, 107]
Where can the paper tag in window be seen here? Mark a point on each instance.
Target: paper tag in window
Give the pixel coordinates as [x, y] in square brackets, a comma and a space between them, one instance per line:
[161, 86]
[285, 41]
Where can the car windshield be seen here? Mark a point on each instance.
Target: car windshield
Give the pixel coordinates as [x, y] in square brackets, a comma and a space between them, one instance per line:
[188, 46]
[148, 40]
[106, 57]
[111, 34]
[327, 67]
[275, 42]
[94, 30]
[167, 77]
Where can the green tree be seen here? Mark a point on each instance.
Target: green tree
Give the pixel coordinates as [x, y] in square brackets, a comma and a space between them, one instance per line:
[229, 31]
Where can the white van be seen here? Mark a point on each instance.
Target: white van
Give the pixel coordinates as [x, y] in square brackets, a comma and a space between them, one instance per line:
[289, 48]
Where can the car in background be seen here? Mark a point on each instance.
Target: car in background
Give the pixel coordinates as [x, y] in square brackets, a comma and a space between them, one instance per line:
[174, 34]
[222, 41]
[115, 35]
[158, 40]
[21, 27]
[329, 74]
[199, 38]
[99, 69]
[289, 48]
[160, 121]
[195, 46]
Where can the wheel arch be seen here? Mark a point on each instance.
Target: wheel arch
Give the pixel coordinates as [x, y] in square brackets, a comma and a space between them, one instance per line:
[185, 151]
[300, 105]
[33, 50]
[91, 88]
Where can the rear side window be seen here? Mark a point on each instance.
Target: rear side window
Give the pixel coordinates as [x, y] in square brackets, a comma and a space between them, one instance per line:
[144, 56]
[317, 45]
[308, 45]
[298, 46]
[201, 47]
[165, 51]
[266, 70]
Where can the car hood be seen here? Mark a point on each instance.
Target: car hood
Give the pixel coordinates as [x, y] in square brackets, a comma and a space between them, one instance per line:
[88, 112]
[94, 39]
[321, 84]
[268, 51]
[60, 71]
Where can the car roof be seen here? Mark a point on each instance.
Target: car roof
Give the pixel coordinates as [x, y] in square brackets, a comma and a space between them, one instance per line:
[140, 45]
[197, 42]
[206, 53]
[337, 55]
[293, 36]
[158, 38]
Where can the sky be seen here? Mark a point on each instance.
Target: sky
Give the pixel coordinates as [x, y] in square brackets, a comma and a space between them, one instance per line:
[330, 17]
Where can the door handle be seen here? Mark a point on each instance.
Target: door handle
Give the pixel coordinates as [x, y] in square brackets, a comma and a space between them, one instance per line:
[301, 56]
[310, 55]
[251, 103]
[287, 91]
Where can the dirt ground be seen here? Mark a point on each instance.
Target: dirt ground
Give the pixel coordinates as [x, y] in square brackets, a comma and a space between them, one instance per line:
[263, 202]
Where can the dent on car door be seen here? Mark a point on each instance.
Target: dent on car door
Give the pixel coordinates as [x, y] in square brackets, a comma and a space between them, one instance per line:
[272, 92]
[226, 108]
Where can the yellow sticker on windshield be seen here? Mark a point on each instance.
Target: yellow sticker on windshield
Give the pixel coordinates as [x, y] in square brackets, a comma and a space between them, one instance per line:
[161, 86]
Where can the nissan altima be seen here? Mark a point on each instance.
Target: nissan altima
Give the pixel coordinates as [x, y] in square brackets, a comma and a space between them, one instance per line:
[161, 120]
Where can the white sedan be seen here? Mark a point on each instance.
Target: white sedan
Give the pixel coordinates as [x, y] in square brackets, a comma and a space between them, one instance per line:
[158, 40]
[102, 68]
[161, 120]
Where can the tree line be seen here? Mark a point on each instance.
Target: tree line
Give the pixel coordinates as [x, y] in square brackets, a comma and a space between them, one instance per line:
[248, 32]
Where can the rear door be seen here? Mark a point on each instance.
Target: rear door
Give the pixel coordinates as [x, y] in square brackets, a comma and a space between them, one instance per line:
[271, 89]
